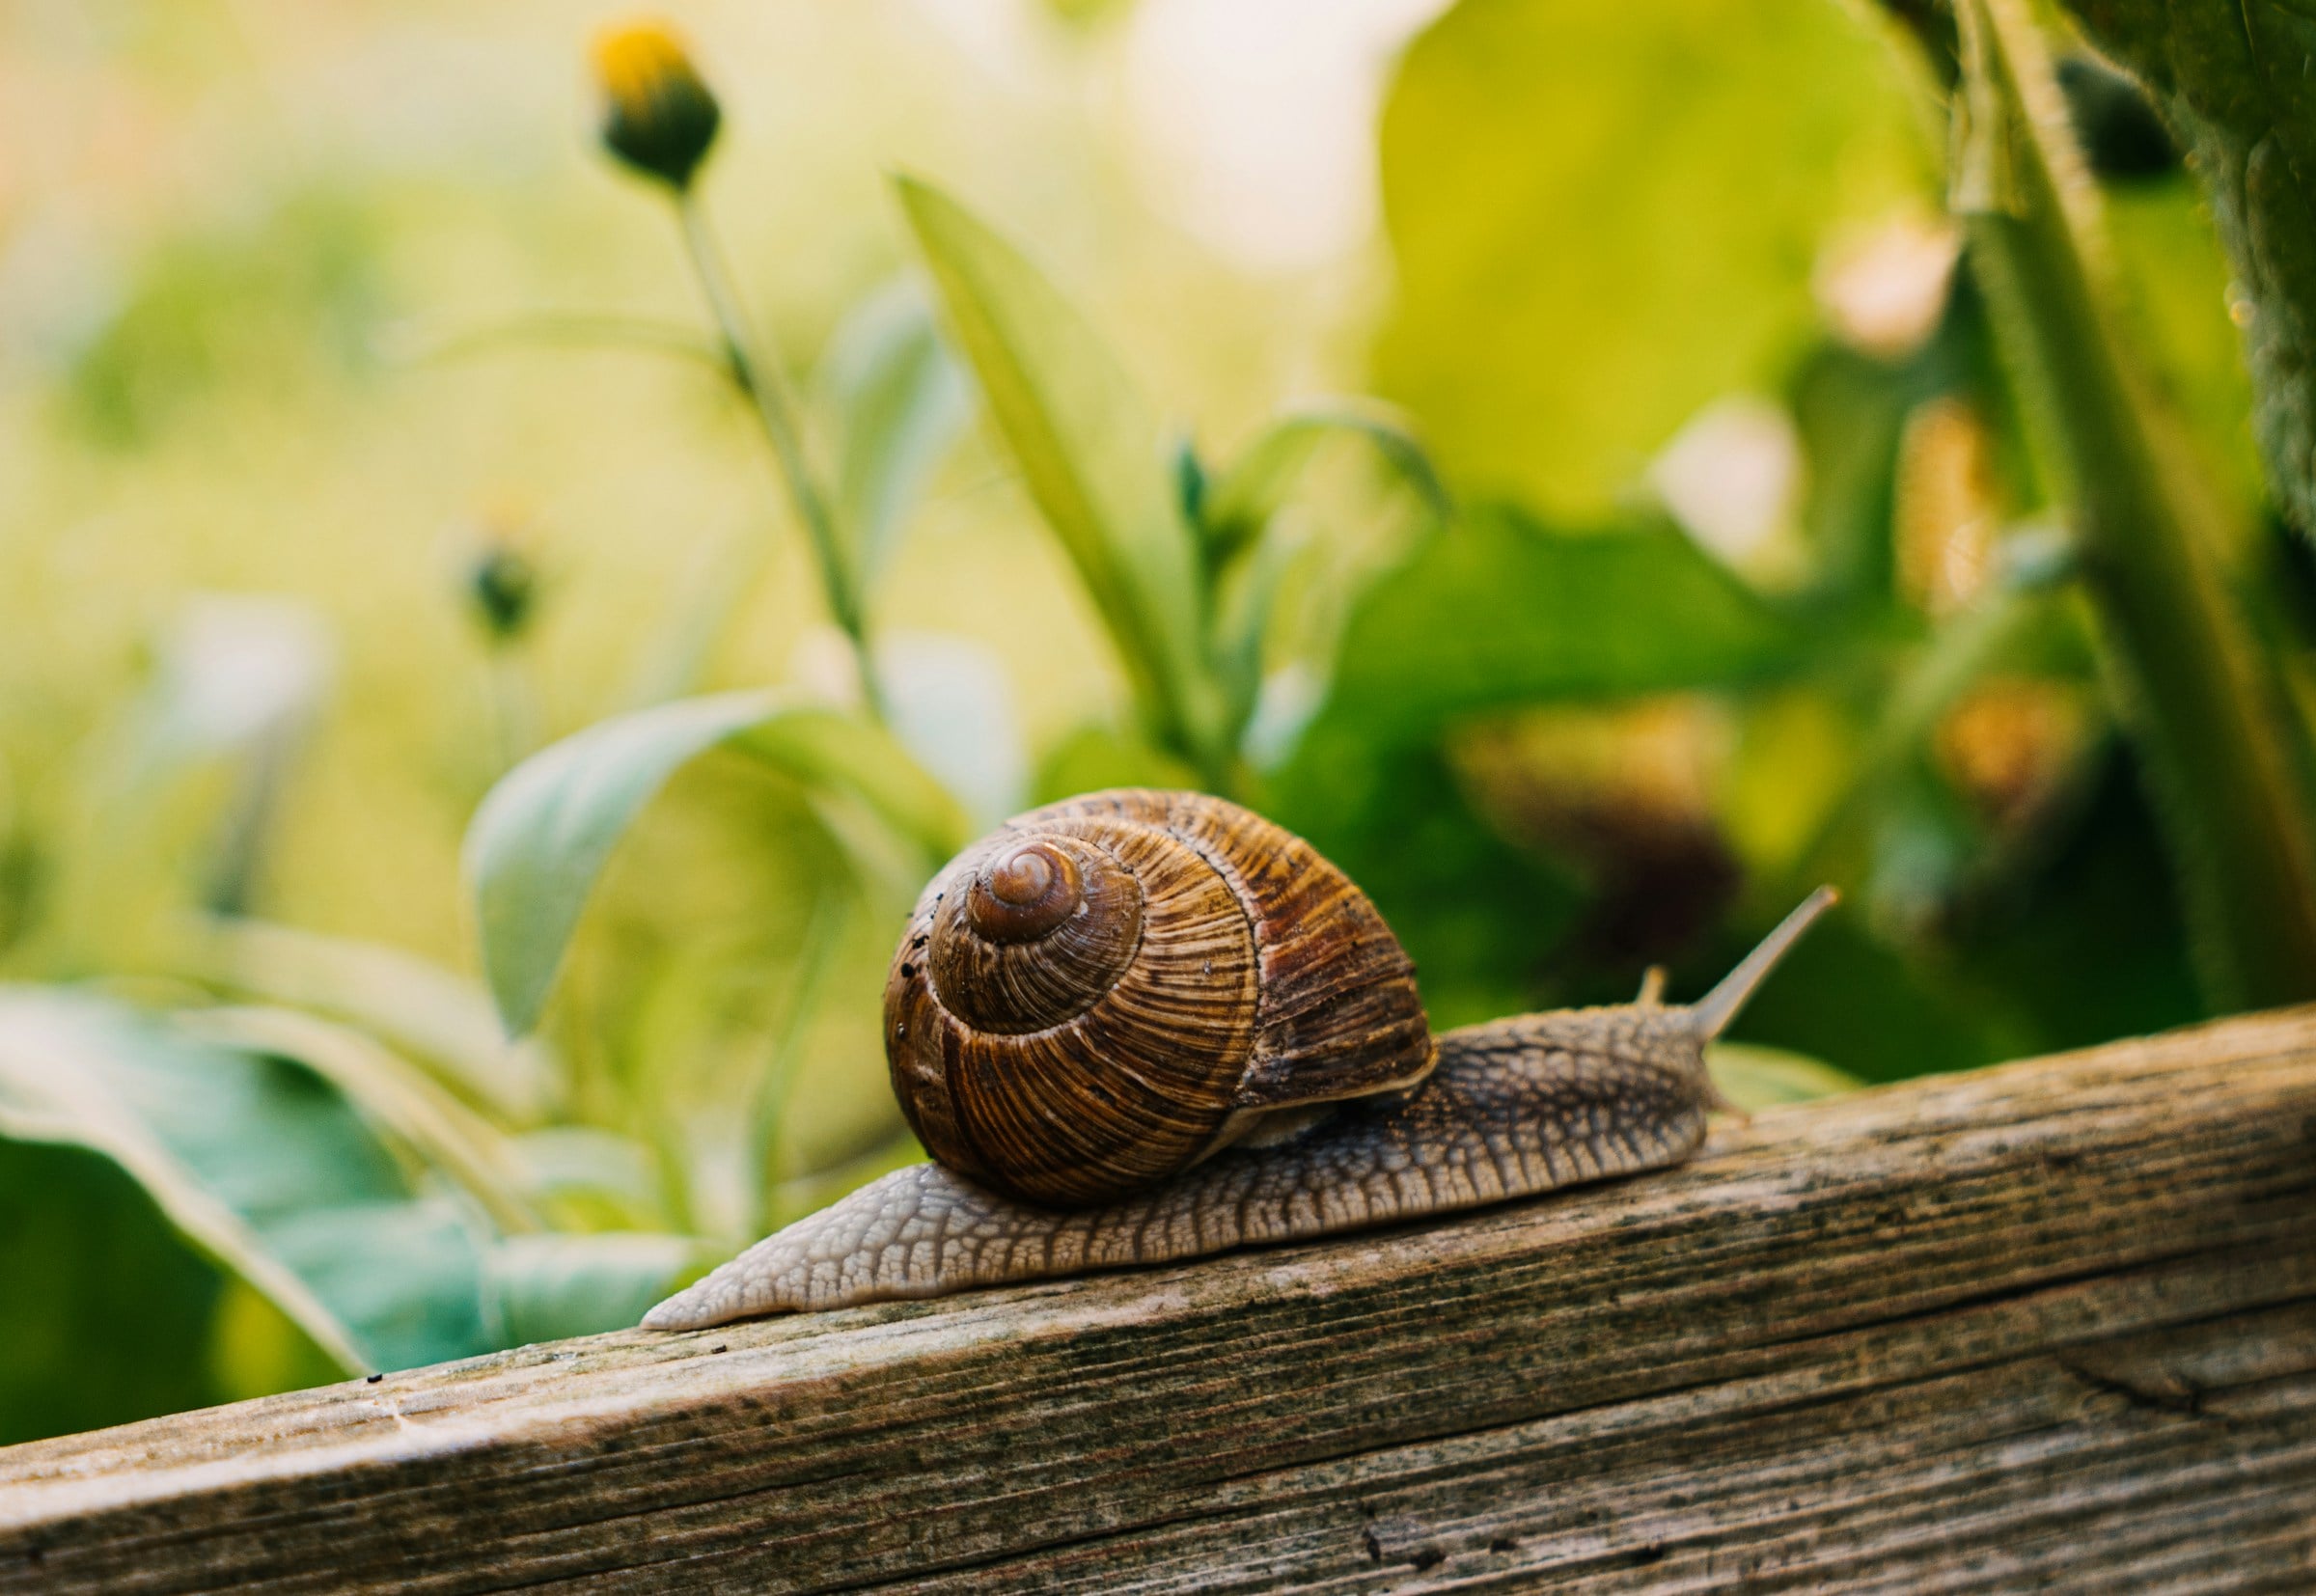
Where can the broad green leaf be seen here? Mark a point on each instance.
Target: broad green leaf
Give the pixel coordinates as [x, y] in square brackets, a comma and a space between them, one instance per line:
[1093, 456]
[550, 1286]
[406, 1274]
[1497, 611]
[542, 834]
[1603, 217]
[409, 1002]
[2231, 79]
[1753, 1077]
[1235, 507]
[839, 753]
[395, 1094]
[108, 1314]
[264, 1166]
[900, 401]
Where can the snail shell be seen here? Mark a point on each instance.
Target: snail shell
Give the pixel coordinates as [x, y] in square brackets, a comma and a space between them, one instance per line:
[1105, 991]
[1525, 1104]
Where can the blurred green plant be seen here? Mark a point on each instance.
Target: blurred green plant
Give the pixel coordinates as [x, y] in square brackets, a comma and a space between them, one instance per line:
[1574, 719]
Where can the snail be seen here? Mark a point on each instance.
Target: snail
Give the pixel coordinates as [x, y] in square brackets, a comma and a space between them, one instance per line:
[1137, 1027]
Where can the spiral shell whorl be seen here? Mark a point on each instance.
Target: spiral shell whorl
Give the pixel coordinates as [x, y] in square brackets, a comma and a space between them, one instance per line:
[1089, 999]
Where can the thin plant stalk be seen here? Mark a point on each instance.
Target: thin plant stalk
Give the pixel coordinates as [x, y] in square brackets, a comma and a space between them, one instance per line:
[768, 1102]
[514, 713]
[762, 380]
[2194, 684]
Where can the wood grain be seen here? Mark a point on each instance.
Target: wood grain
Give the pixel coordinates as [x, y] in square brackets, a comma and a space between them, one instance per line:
[2052, 1325]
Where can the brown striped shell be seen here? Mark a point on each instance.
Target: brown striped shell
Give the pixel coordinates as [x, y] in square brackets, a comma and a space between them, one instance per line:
[1102, 992]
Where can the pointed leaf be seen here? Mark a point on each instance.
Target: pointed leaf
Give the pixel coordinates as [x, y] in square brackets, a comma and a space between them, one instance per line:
[395, 1094]
[1755, 1077]
[1092, 455]
[543, 833]
[1262, 477]
[406, 1002]
[258, 1161]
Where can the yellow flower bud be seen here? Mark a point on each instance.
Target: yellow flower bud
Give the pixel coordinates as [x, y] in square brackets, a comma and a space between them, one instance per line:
[657, 116]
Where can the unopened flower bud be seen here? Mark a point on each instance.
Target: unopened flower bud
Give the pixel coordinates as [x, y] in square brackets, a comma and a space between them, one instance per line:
[658, 116]
[503, 587]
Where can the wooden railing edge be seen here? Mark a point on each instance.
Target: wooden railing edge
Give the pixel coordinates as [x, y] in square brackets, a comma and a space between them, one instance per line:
[2114, 1249]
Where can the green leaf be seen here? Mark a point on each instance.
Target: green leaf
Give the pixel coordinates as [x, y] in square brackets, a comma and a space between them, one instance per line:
[1603, 217]
[109, 1312]
[395, 1094]
[542, 834]
[594, 1171]
[548, 1288]
[2231, 80]
[839, 755]
[410, 1004]
[264, 1166]
[1093, 456]
[1755, 1077]
[900, 401]
[1242, 622]
[1237, 508]
[1497, 611]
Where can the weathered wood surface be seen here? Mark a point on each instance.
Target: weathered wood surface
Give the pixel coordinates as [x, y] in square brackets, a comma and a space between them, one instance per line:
[2052, 1325]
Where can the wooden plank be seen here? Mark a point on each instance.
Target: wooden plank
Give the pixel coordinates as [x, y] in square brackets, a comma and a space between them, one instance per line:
[2049, 1326]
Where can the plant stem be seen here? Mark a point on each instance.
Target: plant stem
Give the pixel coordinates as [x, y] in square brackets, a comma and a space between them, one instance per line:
[1963, 651]
[2193, 685]
[775, 1084]
[513, 718]
[762, 380]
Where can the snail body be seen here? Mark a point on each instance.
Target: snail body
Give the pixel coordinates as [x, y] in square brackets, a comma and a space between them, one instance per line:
[1266, 1075]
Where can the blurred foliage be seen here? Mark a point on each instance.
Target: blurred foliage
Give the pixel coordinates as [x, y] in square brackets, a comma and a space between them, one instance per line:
[408, 494]
[2228, 79]
[1633, 198]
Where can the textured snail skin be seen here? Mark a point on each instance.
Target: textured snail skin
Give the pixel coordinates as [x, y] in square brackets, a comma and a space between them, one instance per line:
[1515, 1107]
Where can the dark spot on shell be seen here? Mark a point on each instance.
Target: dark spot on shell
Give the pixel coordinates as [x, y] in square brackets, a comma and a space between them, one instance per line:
[908, 972]
[373, 1379]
